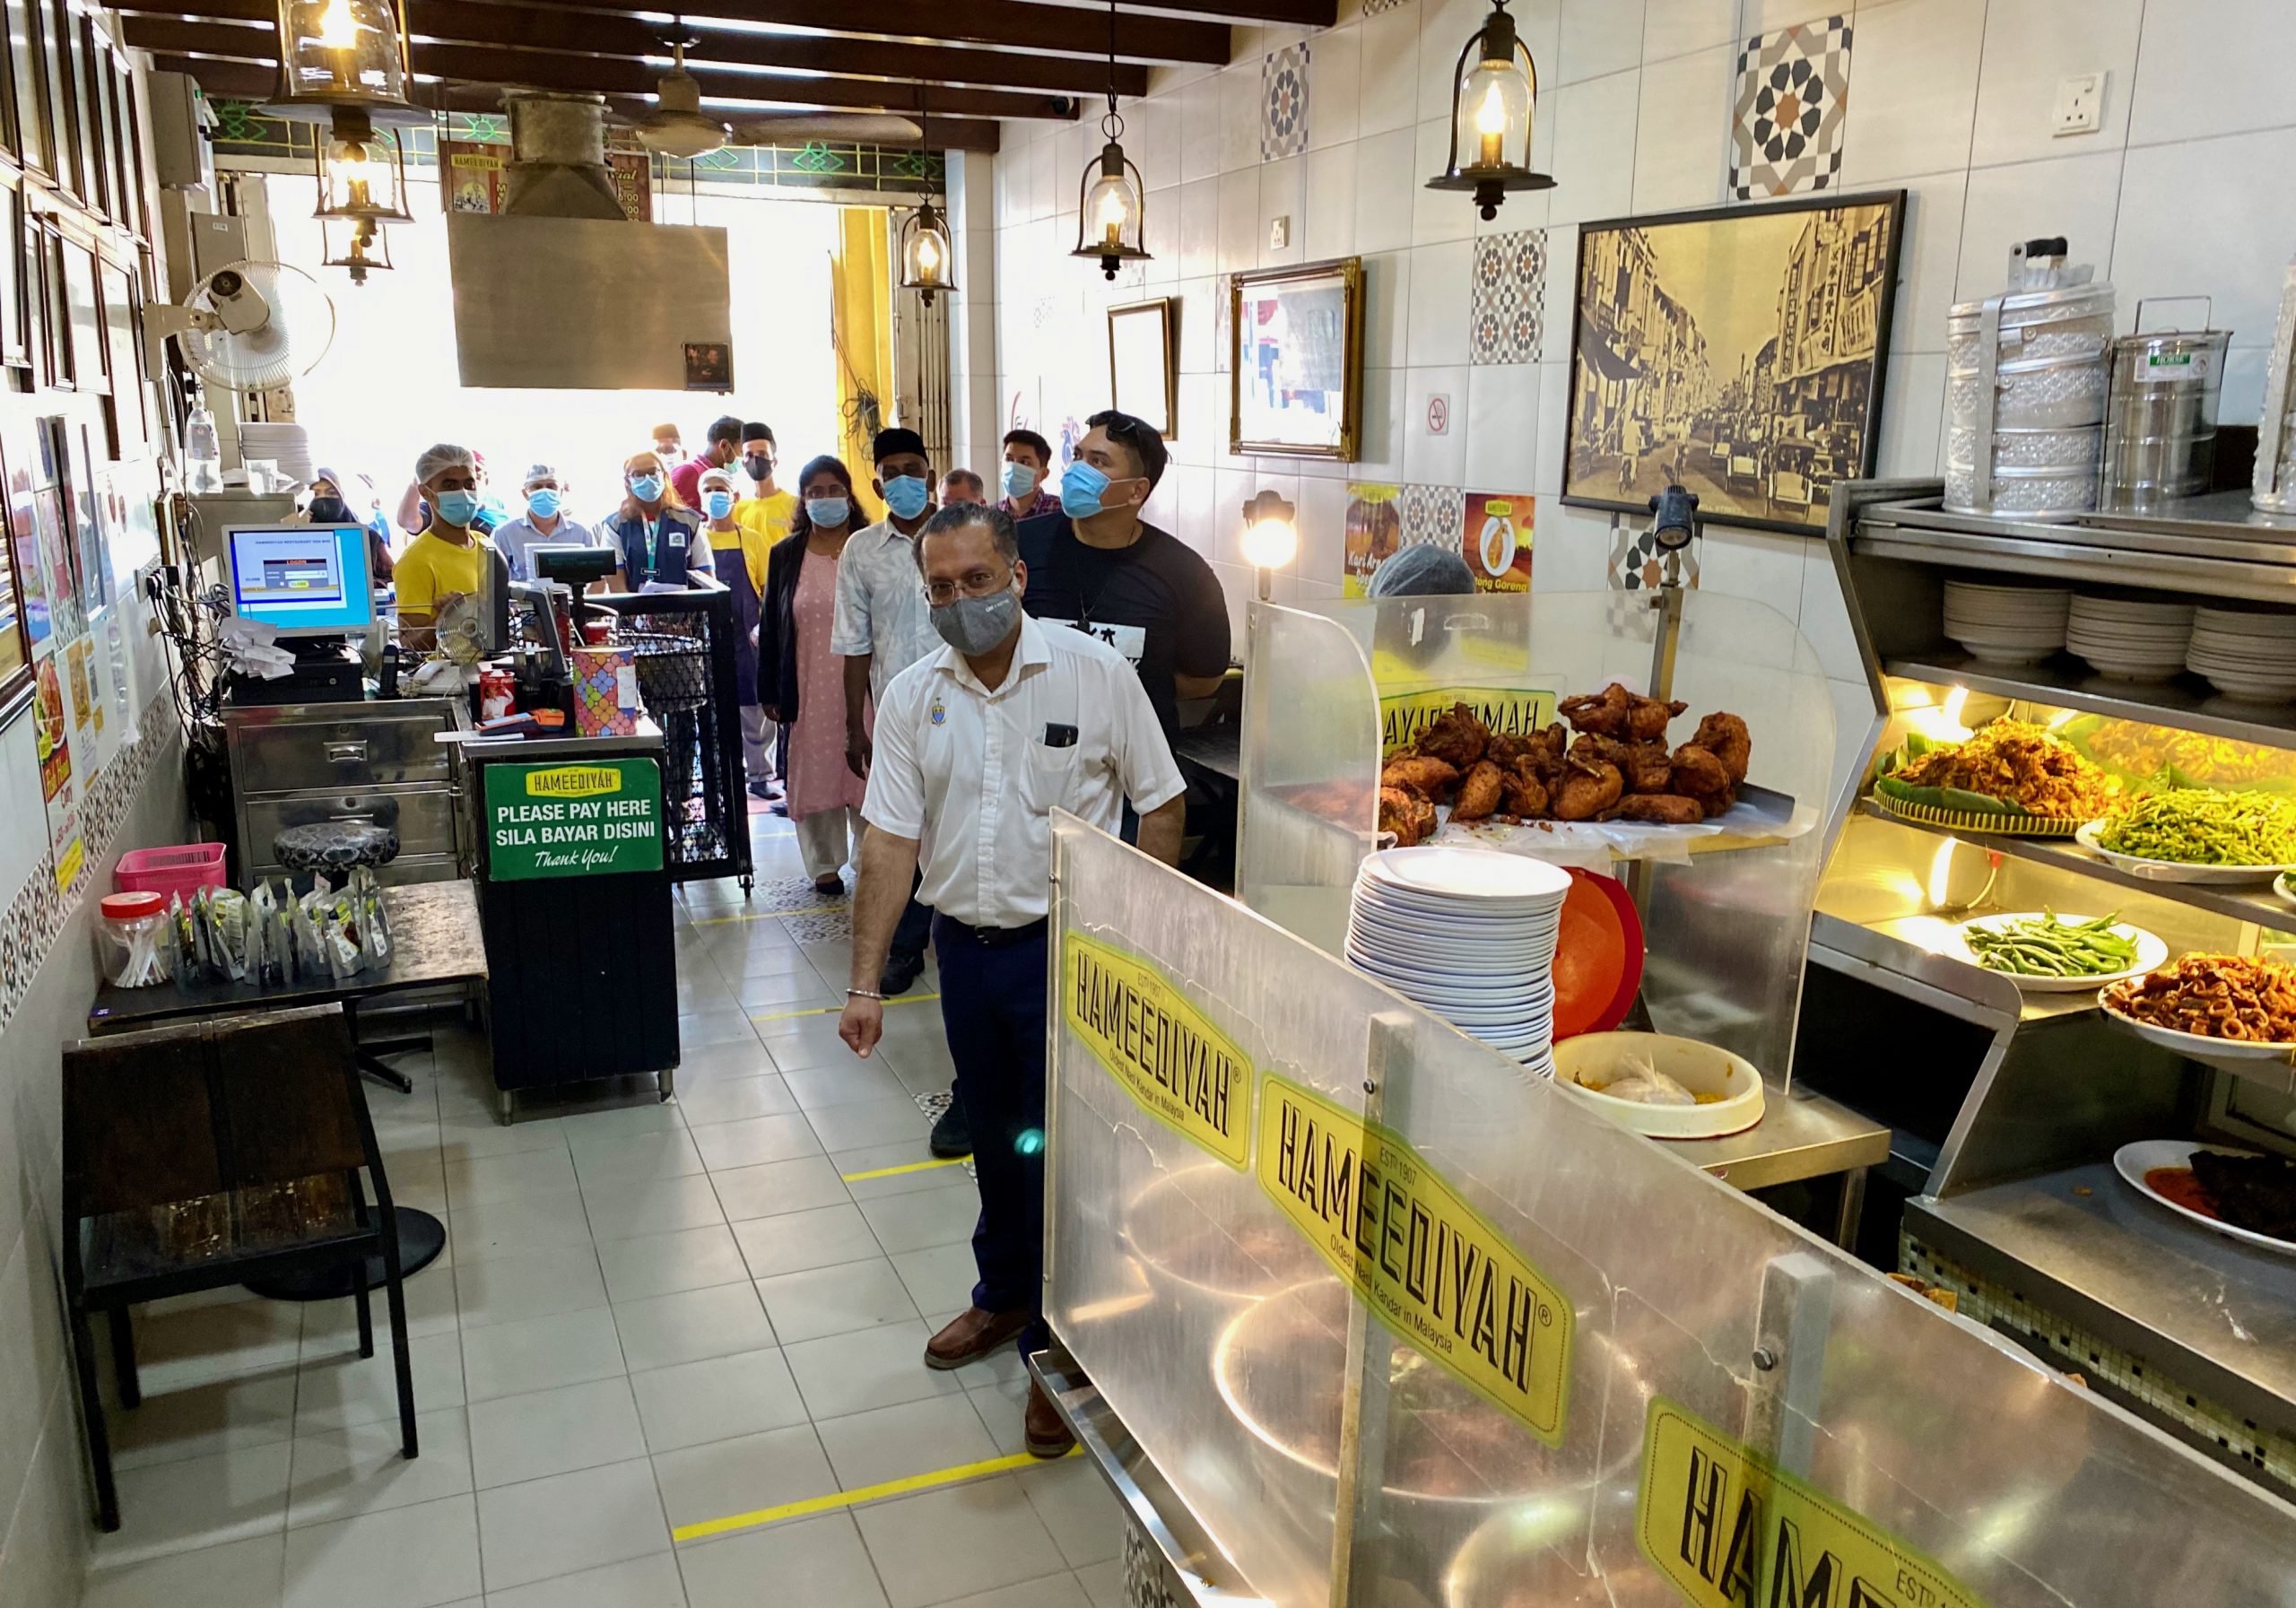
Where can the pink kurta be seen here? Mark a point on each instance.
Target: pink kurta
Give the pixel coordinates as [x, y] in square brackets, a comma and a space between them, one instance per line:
[819, 777]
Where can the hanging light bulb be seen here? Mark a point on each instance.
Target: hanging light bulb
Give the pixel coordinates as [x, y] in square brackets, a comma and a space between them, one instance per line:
[356, 244]
[1109, 206]
[361, 172]
[343, 53]
[339, 26]
[1493, 104]
[926, 254]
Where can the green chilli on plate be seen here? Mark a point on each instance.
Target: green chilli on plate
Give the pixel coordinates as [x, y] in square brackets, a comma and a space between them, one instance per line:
[2043, 951]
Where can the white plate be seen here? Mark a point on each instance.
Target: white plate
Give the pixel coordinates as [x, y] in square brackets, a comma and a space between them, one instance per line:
[2133, 1161]
[1497, 546]
[2173, 871]
[2151, 952]
[1474, 876]
[2232, 1053]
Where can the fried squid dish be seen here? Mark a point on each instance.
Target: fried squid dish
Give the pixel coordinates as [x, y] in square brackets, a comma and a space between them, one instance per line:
[2218, 996]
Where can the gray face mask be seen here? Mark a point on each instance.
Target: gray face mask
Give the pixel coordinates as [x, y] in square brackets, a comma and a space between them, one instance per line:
[974, 625]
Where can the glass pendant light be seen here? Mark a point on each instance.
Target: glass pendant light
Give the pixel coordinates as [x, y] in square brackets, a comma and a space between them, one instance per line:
[343, 53]
[356, 244]
[927, 255]
[1493, 103]
[1110, 195]
[362, 186]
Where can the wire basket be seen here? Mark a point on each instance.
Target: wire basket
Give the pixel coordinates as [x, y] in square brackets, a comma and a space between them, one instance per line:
[673, 659]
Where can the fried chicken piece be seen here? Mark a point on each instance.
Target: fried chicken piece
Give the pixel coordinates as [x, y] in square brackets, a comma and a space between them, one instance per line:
[1507, 747]
[1589, 786]
[1522, 794]
[1651, 770]
[1419, 773]
[1659, 809]
[1698, 773]
[1647, 718]
[1478, 791]
[1407, 814]
[1725, 737]
[1615, 712]
[1458, 739]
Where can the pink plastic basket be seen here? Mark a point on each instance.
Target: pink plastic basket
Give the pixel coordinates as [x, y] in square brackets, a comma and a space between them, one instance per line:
[182, 870]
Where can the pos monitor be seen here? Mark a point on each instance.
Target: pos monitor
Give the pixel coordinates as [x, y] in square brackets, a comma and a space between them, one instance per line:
[309, 580]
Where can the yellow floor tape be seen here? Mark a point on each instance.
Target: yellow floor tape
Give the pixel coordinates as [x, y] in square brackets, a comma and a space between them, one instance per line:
[887, 1172]
[906, 999]
[820, 909]
[867, 1493]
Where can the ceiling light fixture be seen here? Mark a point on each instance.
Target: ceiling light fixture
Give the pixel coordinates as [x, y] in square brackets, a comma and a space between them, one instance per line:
[343, 53]
[927, 254]
[1110, 195]
[1493, 104]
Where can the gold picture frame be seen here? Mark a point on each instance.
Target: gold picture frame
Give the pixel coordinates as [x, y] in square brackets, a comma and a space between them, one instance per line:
[1306, 325]
[1144, 363]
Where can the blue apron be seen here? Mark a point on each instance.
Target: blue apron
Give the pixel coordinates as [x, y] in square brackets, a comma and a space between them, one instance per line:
[676, 533]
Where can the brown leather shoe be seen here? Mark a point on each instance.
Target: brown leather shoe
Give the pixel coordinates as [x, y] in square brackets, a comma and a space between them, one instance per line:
[972, 1336]
[1047, 1436]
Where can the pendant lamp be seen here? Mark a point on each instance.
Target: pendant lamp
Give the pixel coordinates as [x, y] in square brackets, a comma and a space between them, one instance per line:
[927, 255]
[1492, 102]
[1109, 196]
[343, 53]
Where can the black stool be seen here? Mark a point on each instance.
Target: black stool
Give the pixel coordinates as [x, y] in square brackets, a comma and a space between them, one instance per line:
[332, 848]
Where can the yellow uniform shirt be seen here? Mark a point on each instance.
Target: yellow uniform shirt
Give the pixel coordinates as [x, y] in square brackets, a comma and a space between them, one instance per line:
[432, 567]
[764, 521]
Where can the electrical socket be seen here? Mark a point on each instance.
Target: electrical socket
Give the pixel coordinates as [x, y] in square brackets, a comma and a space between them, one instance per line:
[2080, 105]
[1279, 233]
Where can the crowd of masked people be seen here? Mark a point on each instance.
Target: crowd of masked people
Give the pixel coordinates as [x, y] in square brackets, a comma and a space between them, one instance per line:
[917, 695]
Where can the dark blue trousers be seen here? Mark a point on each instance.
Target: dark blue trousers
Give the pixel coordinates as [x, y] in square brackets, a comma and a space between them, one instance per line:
[992, 1008]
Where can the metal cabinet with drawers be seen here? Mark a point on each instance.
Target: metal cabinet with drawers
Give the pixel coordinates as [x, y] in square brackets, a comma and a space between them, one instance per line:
[379, 761]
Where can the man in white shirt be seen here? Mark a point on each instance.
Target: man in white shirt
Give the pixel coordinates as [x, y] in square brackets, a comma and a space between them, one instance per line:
[543, 521]
[974, 747]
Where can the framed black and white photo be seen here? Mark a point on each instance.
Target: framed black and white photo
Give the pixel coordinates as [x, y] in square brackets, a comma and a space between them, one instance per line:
[1737, 351]
[1144, 367]
[1295, 360]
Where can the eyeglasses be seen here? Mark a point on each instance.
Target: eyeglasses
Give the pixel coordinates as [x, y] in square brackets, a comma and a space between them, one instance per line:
[980, 583]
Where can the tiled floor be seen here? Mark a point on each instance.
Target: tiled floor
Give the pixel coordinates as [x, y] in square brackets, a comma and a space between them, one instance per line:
[646, 1317]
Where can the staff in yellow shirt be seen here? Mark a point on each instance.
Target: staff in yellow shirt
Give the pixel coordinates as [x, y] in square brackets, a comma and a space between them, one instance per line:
[449, 557]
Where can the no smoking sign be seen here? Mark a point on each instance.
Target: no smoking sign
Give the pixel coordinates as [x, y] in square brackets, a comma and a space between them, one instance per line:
[1439, 416]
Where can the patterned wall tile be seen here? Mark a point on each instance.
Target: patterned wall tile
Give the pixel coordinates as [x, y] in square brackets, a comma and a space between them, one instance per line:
[1636, 564]
[1283, 103]
[1509, 294]
[1431, 514]
[1372, 8]
[1785, 133]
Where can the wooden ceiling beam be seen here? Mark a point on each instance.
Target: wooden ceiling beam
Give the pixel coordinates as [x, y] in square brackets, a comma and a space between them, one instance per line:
[603, 33]
[1064, 30]
[249, 80]
[609, 75]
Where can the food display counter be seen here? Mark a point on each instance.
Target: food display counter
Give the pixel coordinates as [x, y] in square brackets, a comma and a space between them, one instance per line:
[1349, 1308]
[2044, 1178]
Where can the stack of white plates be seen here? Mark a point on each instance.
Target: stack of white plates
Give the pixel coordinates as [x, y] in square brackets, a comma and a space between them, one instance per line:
[2129, 637]
[285, 443]
[2246, 653]
[1469, 934]
[2007, 625]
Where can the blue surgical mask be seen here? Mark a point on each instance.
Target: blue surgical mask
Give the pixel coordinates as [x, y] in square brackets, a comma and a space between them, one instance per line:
[717, 504]
[457, 509]
[1081, 486]
[542, 503]
[1019, 480]
[827, 512]
[906, 496]
[647, 488]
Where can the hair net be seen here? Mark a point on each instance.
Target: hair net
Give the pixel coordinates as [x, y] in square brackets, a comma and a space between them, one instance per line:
[1421, 570]
[536, 472]
[442, 457]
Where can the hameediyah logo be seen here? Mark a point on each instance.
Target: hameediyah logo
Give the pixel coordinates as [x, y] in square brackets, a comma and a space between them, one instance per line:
[573, 781]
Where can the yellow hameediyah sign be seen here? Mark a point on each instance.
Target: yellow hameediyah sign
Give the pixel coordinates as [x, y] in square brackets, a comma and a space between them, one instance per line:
[1176, 1066]
[1514, 711]
[573, 781]
[1428, 1264]
[1729, 1530]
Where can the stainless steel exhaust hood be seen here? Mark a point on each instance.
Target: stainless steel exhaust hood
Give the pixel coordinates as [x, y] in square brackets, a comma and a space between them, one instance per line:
[560, 291]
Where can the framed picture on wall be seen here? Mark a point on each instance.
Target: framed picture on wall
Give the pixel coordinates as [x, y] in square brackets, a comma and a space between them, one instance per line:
[53, 330]
[19, 585]
[124, 419]
[56, 73]
[87, 111]
[15, 254]
[1144, 367]
[27, 94]
[1737, 351]
[86, 313]
[1295, 360]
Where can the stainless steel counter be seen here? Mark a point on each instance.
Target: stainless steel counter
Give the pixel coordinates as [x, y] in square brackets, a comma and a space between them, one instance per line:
[1801, 1135]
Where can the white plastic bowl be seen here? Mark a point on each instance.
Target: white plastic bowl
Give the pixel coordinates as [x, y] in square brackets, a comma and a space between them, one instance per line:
[1701, 1068]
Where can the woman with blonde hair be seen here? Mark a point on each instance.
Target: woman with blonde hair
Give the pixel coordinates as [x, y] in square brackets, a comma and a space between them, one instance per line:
[658, 538]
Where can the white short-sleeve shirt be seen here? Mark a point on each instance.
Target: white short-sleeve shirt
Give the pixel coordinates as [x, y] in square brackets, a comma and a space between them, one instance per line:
[880, 608]
[974, 775]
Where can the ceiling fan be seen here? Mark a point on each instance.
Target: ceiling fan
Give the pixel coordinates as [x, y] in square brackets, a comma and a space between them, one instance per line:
[678, 126]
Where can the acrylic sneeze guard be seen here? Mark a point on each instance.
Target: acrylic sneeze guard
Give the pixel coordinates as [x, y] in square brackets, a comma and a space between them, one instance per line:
[1329, 688]
[1626, 1383]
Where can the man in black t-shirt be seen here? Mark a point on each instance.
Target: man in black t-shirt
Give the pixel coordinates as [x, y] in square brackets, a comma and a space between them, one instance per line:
[1142, 591]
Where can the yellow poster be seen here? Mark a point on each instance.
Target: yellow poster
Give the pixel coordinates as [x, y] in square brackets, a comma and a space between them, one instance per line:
[1428, 1264]
[1516, 710]
[1728, 1529]
[1177, 1066]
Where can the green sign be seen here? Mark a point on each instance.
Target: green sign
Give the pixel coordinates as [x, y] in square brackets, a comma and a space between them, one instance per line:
[589, 819]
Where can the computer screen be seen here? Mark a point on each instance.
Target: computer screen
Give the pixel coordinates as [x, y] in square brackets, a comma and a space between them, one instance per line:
[309, 580]
[572, 563]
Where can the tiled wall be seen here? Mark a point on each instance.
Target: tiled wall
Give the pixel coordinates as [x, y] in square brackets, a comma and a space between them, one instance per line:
[2190, 187]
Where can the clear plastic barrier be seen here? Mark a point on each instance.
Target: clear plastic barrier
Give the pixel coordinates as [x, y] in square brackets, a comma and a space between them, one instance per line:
[1709, 1360]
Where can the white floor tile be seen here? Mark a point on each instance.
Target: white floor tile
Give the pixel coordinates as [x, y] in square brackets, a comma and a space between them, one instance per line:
[914, 1438]
[755, 1140]
[960, 1540]
[778, 1186]
[1063, 1590]
[509, 1289]
[929, 1217]
[819, 1562]
[746, 1474]
[1075, 1505]
[797, 1240]
[513, 1176]
[835, 1300]
[889, 1121]
[731, 1100]
[637, 1158]
[659, 1206]
[664, 1264]
[406, 1558]
[188, 1346]
[568, 1522]
[546, 1432]
[819, 1087]
[522, 1226]
[200, 1502]
[842, 1374]
[692, 1325]
[717, 1398]
[541, 1353]
[649, 1582]
[939, 1278]
[239, 1574]
[341, 1473]
[346, 1389]
[253, 1410]
[1103, 1583]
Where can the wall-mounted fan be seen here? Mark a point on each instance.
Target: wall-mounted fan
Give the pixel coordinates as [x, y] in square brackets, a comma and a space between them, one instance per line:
[678, 126]
[252, 326]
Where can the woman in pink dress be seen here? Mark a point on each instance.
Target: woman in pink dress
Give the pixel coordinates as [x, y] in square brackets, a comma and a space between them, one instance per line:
[801, 682]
